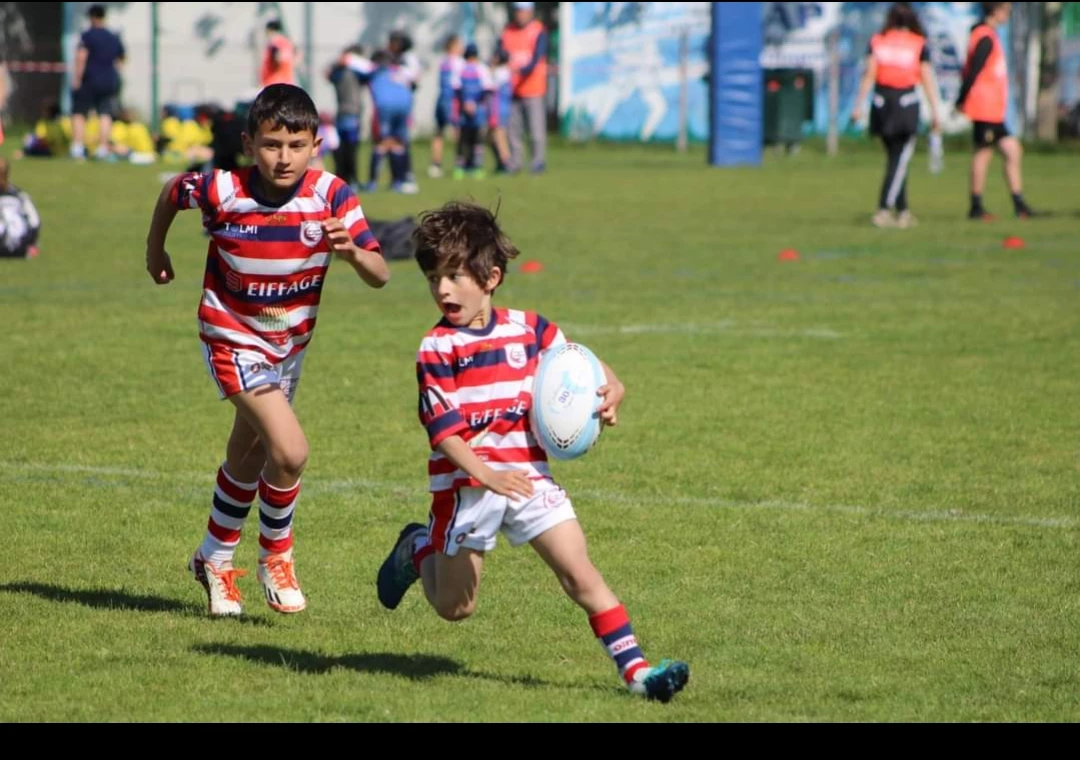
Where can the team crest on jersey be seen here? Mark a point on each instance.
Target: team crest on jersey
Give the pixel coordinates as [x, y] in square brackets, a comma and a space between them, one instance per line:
[234, 282]
[516, 356]
[311, 233]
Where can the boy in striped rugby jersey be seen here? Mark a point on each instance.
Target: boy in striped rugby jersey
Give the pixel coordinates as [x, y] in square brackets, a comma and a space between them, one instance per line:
[274, 228]
[488, 474]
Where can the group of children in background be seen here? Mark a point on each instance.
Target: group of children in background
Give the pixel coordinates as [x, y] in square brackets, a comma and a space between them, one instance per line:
[472, 110]
[474, 102]
[185, 136]
[473, 105]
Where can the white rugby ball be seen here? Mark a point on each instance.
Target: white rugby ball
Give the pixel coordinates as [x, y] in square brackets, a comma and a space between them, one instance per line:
[563, 416]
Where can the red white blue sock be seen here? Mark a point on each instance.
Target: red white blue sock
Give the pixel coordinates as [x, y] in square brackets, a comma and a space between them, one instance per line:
[275, 518]
[421, 550]
[613, 630]
[232, 502]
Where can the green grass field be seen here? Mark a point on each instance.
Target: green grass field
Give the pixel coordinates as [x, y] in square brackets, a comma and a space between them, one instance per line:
[844, 488]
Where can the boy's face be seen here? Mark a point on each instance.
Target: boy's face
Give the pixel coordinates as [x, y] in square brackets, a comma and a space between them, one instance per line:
[457, 48]
[281, 156]
[463, 301]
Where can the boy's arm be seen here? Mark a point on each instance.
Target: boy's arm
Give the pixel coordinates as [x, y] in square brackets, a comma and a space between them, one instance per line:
[549, 335]
[350, 238]
[370, 265]
[158, 263]
[612, 393]
[514, 484]
[445, 425]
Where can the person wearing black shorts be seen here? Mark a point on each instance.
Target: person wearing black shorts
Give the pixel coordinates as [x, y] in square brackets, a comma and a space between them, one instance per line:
[898, 60]
[96, 83]
[984, 98]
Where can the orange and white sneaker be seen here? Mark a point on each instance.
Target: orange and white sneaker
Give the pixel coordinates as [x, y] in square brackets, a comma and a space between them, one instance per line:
[277, 574]
[220, 584]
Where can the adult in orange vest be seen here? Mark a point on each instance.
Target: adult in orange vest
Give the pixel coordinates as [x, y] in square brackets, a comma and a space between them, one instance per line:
[279, 57]
[525, 41]
[984, 99]
[898, 59]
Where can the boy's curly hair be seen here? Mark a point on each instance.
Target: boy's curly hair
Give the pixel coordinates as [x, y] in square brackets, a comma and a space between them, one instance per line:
[462, 234]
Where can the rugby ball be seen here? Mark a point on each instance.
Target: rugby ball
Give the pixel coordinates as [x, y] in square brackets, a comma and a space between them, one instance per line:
[563, 415]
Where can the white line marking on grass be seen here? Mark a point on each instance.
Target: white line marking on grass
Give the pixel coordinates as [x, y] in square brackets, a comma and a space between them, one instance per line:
[729, 326]
[617, 497]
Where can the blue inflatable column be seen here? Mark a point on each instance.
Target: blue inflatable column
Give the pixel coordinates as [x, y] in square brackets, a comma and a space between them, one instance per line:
[736, 107]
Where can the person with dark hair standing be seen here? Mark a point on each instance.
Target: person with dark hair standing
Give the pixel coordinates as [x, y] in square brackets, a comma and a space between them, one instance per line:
[95, 83]
[407, 69]
[350, 98]
[898, 59]
[476, 369]
[525, 40]
[279, 56]
[274, 229]
[984, 98]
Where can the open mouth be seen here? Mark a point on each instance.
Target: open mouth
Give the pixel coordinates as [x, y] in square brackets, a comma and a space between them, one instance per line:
[451, 309]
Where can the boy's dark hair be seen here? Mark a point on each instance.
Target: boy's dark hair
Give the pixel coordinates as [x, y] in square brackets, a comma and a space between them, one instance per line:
[989, 9]
[96, 11]
[402, 40]
[283, 105]
[462, 234]
[381, 58]
[450, 40]
[274, 25]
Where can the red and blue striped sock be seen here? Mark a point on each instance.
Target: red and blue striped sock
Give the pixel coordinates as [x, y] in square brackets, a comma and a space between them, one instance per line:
[276, 507]
[232, 502]
[616, 635]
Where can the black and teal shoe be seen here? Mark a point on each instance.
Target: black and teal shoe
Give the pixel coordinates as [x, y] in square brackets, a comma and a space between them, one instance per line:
[663, 681]
[397, 572]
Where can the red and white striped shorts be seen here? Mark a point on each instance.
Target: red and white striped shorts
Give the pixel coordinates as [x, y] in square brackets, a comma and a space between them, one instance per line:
[235, 370]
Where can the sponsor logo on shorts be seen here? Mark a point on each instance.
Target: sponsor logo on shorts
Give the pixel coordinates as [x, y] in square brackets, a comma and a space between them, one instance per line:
[554, 498]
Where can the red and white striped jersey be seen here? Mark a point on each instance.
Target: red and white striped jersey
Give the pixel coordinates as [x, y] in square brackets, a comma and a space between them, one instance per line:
[266, 263]
[478, 384]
